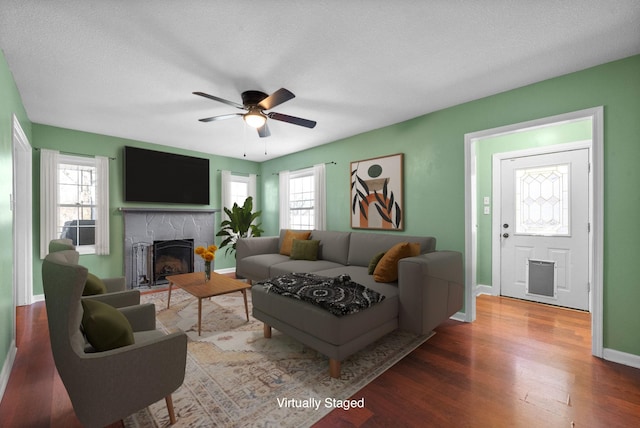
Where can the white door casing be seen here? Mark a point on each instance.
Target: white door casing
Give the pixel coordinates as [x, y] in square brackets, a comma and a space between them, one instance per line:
[22, 218]
[544, 236]
[596, 115]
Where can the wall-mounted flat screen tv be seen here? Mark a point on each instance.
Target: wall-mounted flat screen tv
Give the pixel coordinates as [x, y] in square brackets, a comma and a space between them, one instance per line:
[153, 176]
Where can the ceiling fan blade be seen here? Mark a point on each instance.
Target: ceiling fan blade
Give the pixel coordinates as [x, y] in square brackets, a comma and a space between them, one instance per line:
[221, 117]
[277, 98]
[221, 100]
[263, 131]
[292, 119]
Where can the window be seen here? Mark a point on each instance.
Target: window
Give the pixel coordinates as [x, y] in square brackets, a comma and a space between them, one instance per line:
[237, 188]
[302, 199]
[77, 200]
[74, 201]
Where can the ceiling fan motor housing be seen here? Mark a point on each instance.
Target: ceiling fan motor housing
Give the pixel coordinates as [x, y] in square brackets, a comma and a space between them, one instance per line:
[252, 98]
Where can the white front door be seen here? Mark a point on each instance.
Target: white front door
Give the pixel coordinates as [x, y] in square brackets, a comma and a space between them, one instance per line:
[545, 228]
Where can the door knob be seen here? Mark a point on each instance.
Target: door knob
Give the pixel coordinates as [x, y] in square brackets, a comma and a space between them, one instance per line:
[505, 235]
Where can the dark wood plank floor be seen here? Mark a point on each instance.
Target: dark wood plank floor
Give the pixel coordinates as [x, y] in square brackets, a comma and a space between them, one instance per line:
[519, 365]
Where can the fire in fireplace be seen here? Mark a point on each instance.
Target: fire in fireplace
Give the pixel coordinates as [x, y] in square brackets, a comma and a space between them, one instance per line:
[171, 257]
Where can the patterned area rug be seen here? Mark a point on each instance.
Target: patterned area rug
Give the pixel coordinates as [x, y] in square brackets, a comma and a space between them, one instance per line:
[237, 378]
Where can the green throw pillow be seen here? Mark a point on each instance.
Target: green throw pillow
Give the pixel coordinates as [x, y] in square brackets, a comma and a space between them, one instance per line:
[105, 327]
[374, 262]
[305, 249]
[93, 286]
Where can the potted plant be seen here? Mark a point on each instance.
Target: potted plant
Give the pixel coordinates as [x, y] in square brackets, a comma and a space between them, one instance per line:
[239, 225]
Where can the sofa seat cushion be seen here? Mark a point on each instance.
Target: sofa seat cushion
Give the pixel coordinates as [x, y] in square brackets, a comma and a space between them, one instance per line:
[321, 323]
[258, 266]
[299, 266]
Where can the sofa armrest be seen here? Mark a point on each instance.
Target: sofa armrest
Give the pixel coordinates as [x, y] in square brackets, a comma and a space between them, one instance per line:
[118, 299]
[431, 289]
[246, 247]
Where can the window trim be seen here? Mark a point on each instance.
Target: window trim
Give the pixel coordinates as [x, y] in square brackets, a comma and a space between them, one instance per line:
[50, 162]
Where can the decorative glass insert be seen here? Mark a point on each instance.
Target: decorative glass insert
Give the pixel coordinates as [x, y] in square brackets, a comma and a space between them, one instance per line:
[542, 200]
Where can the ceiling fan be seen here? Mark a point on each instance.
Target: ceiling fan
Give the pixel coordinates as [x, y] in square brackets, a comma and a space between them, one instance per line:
[255, 103]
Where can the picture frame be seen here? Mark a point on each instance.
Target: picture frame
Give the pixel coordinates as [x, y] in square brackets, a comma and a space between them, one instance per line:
[377, 199]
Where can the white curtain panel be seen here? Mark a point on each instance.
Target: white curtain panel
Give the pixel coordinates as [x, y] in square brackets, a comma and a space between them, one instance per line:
[283, 192]
[225, 192]
[102, 209]
[253, 189]
[320, 208]
[48, 198]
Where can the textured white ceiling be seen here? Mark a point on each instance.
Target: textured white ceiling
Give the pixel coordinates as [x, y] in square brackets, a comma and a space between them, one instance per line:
[128, 68]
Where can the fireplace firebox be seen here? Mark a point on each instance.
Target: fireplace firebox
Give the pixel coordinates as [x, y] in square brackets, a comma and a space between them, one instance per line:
[171, 257]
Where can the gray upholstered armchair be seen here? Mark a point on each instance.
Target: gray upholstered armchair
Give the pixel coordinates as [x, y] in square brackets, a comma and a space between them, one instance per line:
[117, 295]
[107, 386]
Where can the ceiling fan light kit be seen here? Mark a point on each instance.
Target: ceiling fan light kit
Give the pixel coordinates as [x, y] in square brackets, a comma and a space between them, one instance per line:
[255, 118]
[255, 103]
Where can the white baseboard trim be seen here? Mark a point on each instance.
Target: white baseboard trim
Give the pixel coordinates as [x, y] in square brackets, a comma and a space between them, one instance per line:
[6, 367]
[484, 289]
[225, 270]
[459, 316]
[621, 357]
[37, 298]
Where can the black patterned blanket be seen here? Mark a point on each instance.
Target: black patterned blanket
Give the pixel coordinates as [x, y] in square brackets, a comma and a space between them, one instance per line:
[339, 295]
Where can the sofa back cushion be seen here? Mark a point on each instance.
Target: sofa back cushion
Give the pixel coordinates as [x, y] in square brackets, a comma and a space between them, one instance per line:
[334, 246]
[364, 246]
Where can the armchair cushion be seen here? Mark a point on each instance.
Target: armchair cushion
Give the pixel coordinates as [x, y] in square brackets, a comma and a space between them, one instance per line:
[94, 285]
[104, 326]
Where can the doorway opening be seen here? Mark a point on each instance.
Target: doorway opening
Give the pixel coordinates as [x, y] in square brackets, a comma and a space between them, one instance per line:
[481, 216]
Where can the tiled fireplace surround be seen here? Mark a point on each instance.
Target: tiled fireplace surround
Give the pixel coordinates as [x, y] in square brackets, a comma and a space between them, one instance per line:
[145, 225]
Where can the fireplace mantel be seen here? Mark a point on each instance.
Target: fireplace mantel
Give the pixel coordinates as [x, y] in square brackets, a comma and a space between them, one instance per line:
[169, 210]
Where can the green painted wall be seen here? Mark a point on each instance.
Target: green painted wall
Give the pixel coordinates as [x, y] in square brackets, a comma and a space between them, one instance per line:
[486, 148]
[10, 104]
[66, 140]
[434, 172]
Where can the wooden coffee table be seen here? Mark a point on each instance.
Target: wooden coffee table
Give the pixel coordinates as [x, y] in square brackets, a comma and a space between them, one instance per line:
[195, 284]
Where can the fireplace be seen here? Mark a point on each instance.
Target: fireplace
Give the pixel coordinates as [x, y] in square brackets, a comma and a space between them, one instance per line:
[145, 227]
[171, 257]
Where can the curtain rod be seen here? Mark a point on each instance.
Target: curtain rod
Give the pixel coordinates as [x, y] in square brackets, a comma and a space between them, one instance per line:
[240, 173]
[305, 167]
[76, 154]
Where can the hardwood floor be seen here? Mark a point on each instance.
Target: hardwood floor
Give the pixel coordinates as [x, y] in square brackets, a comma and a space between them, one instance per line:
[520, 364]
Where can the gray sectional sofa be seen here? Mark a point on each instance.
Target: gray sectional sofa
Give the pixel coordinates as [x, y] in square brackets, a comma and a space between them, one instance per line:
[429, 290]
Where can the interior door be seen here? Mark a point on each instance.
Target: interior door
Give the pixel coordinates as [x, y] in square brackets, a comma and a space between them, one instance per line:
[545, 228]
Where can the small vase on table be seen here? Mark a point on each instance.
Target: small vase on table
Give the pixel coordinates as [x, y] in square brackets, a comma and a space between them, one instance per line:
[207, 271]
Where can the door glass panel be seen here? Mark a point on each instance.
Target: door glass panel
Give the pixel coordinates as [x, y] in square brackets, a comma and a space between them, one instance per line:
[542, 200]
